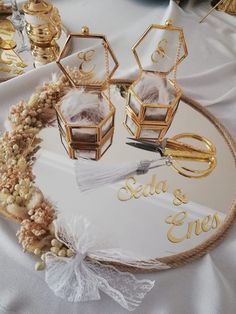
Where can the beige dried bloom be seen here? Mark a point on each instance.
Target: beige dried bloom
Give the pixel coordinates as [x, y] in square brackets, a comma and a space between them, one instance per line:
[17, 155]
[43, 214]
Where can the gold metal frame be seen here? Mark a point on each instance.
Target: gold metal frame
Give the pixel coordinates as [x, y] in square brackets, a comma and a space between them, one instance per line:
[66, 132]
[99, 138]
[139, 118]
[71, 148]
[170, 108]
[170, 27]
[141, 126]
[90, 86]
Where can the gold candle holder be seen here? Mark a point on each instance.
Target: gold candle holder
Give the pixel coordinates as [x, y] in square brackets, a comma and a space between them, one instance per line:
[165, 47]
[89, 69]
[43, 27]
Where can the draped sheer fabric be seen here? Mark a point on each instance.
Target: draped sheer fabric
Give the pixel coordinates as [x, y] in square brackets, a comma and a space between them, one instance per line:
[78, 279]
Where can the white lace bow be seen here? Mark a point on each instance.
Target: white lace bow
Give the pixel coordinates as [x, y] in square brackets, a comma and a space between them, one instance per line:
[81, 278]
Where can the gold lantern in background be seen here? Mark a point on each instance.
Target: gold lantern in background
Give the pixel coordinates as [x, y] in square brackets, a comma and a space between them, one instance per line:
[89, 72]
[43, 27]
[153, 98]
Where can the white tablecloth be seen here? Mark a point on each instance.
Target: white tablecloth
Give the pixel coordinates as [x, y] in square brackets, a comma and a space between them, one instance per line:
[207, 286]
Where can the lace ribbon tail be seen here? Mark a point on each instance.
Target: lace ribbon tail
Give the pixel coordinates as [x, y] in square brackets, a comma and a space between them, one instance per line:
[122, 287]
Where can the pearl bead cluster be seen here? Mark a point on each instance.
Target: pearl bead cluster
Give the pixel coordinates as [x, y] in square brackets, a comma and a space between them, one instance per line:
[22, 191]
[60, 250]
[16, 186]
[57, 248]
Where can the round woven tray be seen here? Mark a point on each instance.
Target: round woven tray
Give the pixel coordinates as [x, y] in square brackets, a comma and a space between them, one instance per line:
[185, 257]
[211, 242]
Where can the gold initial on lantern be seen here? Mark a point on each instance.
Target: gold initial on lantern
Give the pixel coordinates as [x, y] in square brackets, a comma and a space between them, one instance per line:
[160, 51]
[86, 57]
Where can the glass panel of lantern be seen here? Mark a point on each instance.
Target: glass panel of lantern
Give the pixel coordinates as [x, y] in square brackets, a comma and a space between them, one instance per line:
[93, 152]
[153, 98]
[141, 130]
[86, 114]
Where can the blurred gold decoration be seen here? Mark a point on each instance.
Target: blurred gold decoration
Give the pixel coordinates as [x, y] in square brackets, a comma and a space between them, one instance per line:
[43, 26]
[89, 139]
[153, 98]
[7, 44]
[5, 65]
[228, 6]
[5, 9]
[6, 27]
[11, 64]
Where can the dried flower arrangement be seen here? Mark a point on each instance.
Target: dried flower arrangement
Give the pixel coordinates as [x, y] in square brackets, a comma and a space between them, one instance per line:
[20, 200]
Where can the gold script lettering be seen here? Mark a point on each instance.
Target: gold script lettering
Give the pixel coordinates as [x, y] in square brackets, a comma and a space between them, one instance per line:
[132, 190]
[177, 220]
[126, 192]
[193, 227]
[198, 229]
[86, 57]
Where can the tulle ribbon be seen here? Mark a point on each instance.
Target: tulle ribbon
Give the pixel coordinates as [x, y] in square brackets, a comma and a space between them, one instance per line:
[81, 277]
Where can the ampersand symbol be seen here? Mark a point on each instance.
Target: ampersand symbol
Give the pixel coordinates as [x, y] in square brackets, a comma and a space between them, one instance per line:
[179, 197]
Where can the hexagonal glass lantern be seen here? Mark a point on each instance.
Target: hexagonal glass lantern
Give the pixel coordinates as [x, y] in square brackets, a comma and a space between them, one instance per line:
[153, 98]
[86, 114]
[85, 133]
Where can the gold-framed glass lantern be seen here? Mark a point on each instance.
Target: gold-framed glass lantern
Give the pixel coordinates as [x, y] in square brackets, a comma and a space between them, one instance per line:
[153, 98]
[86, 114]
